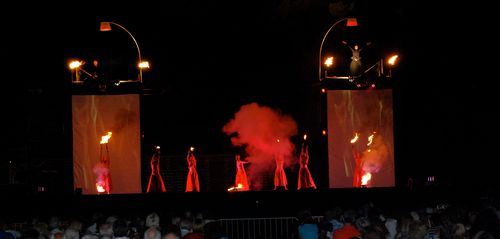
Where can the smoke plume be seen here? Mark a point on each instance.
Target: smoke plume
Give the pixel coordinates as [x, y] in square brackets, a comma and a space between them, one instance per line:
[374, 157]
[264, 133]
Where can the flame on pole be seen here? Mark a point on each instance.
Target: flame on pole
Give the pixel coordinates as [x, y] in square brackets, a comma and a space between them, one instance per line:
[105, 138]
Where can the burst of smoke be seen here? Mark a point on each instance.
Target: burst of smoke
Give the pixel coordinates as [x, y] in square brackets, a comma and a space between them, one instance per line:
[374, 157]
[264, 133]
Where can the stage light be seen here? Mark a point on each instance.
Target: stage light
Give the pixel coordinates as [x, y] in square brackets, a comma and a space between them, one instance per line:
[352, 22]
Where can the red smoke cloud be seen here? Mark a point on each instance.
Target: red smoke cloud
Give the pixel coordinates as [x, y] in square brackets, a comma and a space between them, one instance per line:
[258, 129]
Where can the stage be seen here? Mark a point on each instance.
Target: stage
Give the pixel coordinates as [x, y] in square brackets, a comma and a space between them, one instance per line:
[249, 204]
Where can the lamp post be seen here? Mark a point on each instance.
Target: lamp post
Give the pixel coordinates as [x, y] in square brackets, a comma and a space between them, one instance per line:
[106, 26]
[351, 22]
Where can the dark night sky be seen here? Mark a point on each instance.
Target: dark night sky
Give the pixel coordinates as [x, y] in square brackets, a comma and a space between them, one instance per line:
[211, 58]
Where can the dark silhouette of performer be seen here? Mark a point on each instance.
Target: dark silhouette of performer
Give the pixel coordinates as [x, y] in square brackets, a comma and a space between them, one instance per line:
[356, 66]
[155, 180]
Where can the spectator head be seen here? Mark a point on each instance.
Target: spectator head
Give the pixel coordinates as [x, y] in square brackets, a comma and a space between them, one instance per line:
[106, 229]
[153, 220]
[152, 233]
[120, 228]
[350, 216]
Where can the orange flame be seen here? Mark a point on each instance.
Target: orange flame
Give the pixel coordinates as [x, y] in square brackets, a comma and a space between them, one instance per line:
[366, 178]
[370, 139]
[191, 149]
[100, 188]
[105, 138]
[240, 186]
[157, 147]
[305, 136]
[353, 140]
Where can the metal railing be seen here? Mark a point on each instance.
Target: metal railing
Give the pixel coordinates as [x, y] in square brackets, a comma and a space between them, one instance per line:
[259, 228]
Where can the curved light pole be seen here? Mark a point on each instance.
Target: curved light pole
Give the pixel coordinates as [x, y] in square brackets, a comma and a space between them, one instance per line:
[351, 22]
[106, 26]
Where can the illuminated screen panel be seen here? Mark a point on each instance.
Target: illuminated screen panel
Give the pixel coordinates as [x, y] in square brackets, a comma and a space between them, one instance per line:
[113, 167]
[368, 159]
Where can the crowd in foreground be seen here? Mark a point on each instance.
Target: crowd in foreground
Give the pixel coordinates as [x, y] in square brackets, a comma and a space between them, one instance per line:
[441, 221]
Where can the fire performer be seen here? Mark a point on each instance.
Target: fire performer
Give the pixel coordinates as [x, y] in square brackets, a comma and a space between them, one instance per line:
[192, 184]
[241, 176]
[103, 180]
[155, 180]
[280, 181]
[358, 170]
[305, 179]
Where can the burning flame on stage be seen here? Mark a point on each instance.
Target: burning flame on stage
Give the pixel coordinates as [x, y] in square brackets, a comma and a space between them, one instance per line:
[366, 178]
[100, 188]
[234, 189]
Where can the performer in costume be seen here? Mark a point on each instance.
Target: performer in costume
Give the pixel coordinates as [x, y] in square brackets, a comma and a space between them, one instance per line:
[241, 175]
[280, 181]
[192, 184]
[155, 180]
[101, 169]
[305, 178]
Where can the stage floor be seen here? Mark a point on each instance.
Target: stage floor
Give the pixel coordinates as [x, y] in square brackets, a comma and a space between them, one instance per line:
[218, 205]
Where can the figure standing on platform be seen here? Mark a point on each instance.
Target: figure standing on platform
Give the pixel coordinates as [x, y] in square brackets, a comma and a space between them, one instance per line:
[192, 184]
[155, 180]
[356, 66]
[241, 175]
[280, 181]
[305, 179]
